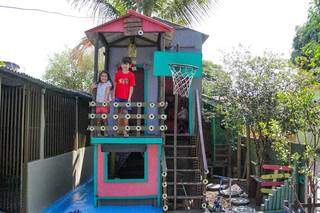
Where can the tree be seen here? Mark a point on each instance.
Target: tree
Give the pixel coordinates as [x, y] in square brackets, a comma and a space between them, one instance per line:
[178, 11]
[306, 44]
[252, 99]
[216, 85]
[62, 71]
[299, 111]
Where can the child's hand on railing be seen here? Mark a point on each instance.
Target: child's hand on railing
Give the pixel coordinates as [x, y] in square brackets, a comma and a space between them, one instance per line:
[94, 86]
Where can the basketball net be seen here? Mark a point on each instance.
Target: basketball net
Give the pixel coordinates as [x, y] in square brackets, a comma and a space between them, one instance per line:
[182, 75]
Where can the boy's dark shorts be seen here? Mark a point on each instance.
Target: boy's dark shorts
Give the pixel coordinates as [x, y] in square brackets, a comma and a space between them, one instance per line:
[123, 100]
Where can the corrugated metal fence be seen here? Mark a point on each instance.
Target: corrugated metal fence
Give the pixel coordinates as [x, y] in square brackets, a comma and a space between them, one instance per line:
[35, 124]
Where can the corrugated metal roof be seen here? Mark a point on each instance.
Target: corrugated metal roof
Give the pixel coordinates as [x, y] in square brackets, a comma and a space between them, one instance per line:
[24, 77]
[180, 27]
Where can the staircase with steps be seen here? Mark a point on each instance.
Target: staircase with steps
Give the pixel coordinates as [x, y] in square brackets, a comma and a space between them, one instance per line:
[184, 168]
[190, 187]
[223, 159]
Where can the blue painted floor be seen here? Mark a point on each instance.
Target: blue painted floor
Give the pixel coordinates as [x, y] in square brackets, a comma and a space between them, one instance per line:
[81, 201]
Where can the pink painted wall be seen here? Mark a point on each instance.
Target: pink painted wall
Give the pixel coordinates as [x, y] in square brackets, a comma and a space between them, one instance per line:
[134, 188]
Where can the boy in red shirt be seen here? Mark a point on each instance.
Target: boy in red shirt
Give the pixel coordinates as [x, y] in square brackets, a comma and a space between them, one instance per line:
[124, 83]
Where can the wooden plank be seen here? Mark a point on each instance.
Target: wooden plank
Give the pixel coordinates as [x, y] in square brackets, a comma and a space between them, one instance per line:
[275, 176]
[276, 167]
[133, 25]
[130, 20]
[266, 190]
[269, 183]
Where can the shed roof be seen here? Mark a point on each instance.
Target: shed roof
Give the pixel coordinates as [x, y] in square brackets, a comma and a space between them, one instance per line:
[117, 25]
[180, 27]
[120, 31]
[14, 78]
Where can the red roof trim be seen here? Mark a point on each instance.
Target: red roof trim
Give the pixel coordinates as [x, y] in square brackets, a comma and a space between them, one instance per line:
[166, 28]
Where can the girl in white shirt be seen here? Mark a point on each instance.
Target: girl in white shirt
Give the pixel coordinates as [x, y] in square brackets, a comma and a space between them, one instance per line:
[104, 92]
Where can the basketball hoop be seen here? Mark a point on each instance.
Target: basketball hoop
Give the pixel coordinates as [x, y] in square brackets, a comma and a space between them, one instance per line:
[182, 75]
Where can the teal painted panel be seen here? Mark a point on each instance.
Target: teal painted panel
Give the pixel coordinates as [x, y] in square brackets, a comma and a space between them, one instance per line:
[163, 59]
[139, 140]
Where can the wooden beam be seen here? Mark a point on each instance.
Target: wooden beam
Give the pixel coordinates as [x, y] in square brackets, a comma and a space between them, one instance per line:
[96, 58]
[103, 39]
[276, 167]
[118, 40]
[275, 176]
[148, 40]
[125, 46]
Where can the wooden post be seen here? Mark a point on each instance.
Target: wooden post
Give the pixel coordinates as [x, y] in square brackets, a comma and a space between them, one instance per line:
[175, 149]
[96, 58]
[107, 59]
[175, 132]
[248, 151]
[239, 155]
[162, 84]
[42, 124]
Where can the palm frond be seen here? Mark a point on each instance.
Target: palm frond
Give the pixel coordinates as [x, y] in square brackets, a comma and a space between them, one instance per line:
[77, 53]
[184, 12]
[104, 9]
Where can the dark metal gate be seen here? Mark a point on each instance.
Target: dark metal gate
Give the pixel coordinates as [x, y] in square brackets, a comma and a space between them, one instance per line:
[11, 158]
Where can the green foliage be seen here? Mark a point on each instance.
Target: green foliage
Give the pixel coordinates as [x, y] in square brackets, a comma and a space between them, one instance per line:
[177, 11]
[298, 113]
[306, 44]
[62, 71]
[251, 98]
[2, 64]
[216, 85]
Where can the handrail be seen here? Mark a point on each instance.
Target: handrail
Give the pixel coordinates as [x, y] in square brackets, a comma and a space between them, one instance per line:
[203, 152]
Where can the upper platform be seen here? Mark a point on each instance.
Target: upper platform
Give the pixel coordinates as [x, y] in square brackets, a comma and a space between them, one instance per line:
[127, 140]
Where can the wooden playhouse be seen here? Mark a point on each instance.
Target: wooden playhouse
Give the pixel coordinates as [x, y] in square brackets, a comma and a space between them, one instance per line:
[139, 169]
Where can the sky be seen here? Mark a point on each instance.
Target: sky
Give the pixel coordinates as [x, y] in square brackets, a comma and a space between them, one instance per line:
[29, 38]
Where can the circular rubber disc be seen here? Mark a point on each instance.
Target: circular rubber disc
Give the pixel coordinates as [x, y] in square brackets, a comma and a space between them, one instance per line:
[215, 187]
[242, 209]
[239, 201]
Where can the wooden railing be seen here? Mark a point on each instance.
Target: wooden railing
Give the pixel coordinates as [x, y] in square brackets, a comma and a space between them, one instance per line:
[103, 122]
[276, 200]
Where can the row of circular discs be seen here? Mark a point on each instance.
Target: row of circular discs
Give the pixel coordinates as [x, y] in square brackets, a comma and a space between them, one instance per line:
[128, 128]
[165, 185]
[128, 116]
[128, 104]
